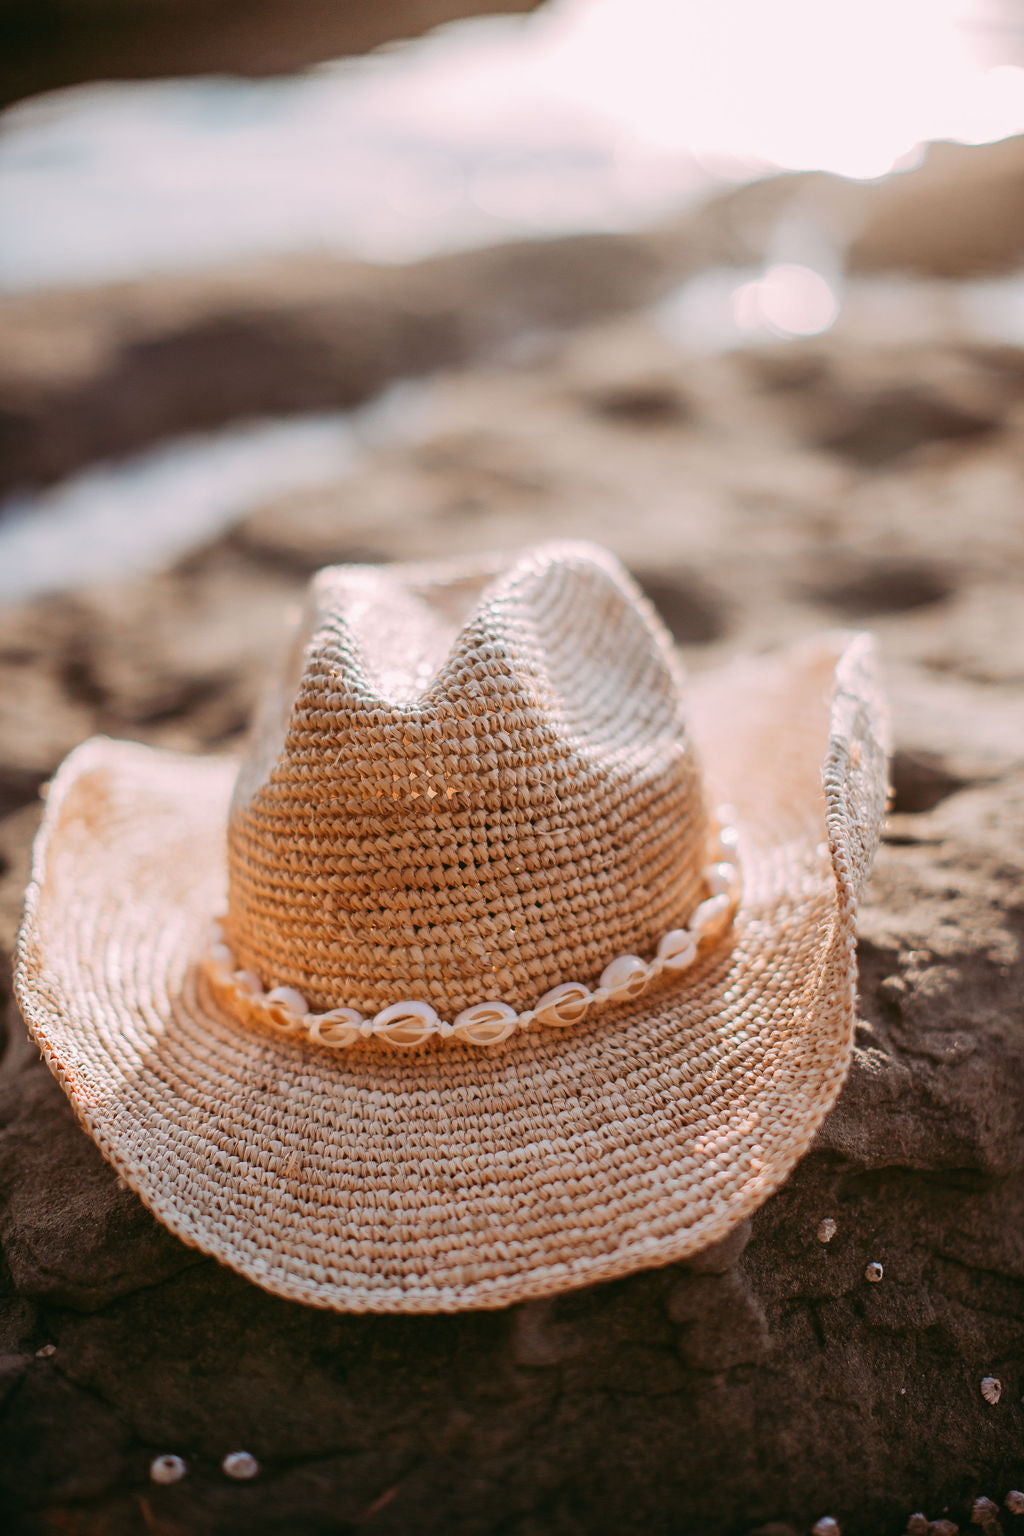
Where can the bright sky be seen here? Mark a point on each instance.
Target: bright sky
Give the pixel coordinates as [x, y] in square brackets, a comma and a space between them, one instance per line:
[586, 114]
[843, 85]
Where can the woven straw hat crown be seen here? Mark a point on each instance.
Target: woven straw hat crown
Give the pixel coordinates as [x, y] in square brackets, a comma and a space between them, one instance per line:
[466, 790]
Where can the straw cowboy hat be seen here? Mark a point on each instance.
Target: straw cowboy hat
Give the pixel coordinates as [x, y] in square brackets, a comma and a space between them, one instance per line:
[462, 988]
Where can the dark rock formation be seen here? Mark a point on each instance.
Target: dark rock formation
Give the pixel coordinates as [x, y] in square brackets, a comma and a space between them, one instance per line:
[86, 377]
[51, 43]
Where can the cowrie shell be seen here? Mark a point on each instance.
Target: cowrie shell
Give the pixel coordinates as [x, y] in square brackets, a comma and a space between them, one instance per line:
[677, 949]
[626, 976]
[282, 1011]
[406, 1024]
[248, 981]
[727, 840]
[288, 998]
[711, 918]
[339, 1027]
[485, 1023]
[220, 955]
[565, 1004]
[723, 880]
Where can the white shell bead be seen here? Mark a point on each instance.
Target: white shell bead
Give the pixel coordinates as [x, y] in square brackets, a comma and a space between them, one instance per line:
[677, 949]
[406, 1024]
[486, 1023]
[249, 982]
[338, 1027]
[991, 1389]
[565, 1004]
[728, 838]
[220, 956]
[282, 1012]
[625, 977]
[711, 918]
[287, 998]
[723, 879]
[283, 1022]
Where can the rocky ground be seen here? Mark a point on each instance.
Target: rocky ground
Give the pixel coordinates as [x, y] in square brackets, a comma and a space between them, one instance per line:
[92, 374]
[759, 495]
[54, 43]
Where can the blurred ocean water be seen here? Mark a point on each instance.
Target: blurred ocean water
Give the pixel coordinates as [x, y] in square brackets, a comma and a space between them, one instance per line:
[587, 114]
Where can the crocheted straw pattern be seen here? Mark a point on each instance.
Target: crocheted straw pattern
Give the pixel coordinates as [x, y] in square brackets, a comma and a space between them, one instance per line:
[451, 1176]
[480, 791]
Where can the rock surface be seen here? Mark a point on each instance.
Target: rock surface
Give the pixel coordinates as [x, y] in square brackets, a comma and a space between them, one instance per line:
[768, 1384]
[53, 43]
[95, 374]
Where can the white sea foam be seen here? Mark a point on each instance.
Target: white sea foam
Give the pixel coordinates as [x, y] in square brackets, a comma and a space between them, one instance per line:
[139, 513]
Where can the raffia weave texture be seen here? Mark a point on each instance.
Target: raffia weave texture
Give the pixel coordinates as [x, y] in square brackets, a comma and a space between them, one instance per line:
[515, 821]
[453, 1177]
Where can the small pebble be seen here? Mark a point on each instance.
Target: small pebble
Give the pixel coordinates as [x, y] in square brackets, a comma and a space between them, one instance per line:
[46, 1351]
[991, 1389]
[984, 1512]
[1015, 1502]
[240, 1465]
[943, 1528]
[827, 1230]
[167, 1469]
[917, 1525]
[826, 1526]
[874, 1272]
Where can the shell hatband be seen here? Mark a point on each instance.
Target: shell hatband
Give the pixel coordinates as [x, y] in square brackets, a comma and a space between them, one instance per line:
[410, 1023]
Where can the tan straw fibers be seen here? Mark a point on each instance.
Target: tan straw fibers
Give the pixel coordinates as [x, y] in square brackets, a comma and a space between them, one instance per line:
[470, 786]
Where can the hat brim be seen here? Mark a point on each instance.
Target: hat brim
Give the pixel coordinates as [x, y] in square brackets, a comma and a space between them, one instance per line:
[454, 1177]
